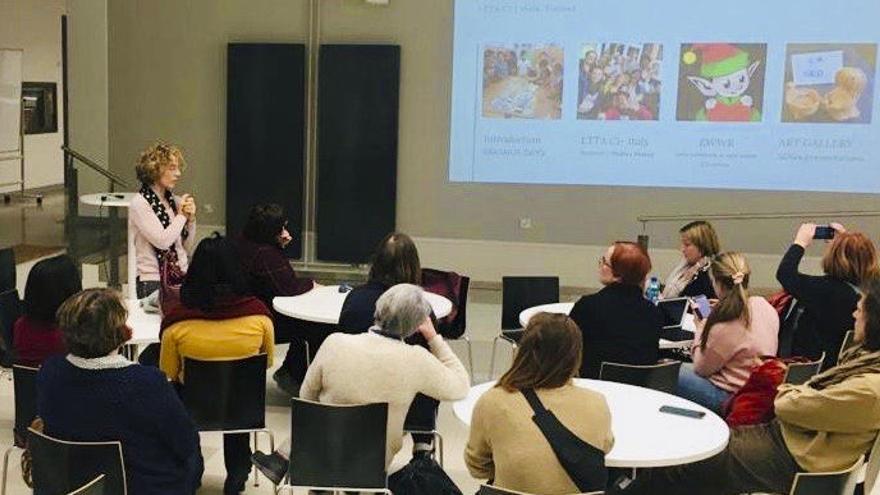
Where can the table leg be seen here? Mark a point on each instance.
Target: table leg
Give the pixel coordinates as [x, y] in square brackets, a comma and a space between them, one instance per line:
[114, 249]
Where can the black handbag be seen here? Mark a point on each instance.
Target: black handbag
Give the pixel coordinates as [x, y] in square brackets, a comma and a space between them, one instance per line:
[584, 463]
[422, 476]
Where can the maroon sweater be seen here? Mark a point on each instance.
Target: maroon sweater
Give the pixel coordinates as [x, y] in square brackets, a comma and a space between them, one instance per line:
[33, 341]
[269, 271]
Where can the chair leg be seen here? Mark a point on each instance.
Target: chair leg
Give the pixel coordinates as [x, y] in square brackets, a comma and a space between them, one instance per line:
[470, 355]
[492, 361]
[308, 350]
[254, 467]
[438, 439]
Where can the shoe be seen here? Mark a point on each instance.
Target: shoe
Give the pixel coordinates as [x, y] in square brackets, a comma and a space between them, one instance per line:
[273, 466]
[285, 382]
[234, 484]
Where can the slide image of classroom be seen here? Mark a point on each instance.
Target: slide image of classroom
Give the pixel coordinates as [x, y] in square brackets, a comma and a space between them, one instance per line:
[829, 83]
[523, 81]
[619, 81]
[721, 82]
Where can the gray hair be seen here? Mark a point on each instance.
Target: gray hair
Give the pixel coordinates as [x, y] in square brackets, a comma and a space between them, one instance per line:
[401, 309]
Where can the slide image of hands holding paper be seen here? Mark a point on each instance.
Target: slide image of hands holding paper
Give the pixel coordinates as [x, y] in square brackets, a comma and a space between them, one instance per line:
[522, 81]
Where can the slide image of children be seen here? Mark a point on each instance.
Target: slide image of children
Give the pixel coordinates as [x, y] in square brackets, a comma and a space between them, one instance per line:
[619, 81]
[522, 80]
[721, 82]
[829, 83]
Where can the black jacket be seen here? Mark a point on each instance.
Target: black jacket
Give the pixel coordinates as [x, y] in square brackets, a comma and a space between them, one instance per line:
[618, 325]
[359, 307]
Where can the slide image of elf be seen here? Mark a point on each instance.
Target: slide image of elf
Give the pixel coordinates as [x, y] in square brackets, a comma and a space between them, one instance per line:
[721, 82]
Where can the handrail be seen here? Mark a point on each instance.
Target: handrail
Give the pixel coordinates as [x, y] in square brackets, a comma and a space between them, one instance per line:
[645, 219]
[113, 178]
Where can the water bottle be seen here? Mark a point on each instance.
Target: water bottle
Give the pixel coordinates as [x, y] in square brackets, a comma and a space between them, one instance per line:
[652, 293]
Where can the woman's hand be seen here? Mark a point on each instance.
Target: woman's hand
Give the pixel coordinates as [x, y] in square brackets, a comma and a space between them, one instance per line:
[427, 329]
[839, 228]
[188, 207]
[804, 236]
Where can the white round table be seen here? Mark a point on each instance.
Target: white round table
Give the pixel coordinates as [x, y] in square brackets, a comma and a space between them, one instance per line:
[565, 308]
[112, 201]
[324, 304]
[644, 437]
[144, 326]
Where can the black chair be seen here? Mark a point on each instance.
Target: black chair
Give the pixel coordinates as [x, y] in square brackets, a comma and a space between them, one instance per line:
[494, 490]
[441, 282]
[662, 376]
[338, 448]
[419, 424]
[95, 487]
[830, 483]
[799, 373]
[61, 467]
[10, 310]
[25, 386]
[517, 294]
[7, 269]
[846, 344]
[228, 396]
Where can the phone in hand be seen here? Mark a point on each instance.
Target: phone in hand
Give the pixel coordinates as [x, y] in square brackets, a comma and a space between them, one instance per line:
[680, 411]
[702, 307]
[824, 232]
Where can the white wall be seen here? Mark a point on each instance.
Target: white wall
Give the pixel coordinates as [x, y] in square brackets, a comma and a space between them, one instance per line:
[35, 26]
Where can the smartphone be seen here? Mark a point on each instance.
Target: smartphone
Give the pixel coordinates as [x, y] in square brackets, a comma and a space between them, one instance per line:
[824, 232]
[701, 306]
[690, 413]
[343, 288]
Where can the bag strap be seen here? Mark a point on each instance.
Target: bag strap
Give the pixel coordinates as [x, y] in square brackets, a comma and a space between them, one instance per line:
[534, 401]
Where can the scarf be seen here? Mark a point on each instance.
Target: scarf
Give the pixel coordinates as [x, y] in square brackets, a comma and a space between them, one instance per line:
[225, 308]
[855, 361]
[683, 275]
[159, 209]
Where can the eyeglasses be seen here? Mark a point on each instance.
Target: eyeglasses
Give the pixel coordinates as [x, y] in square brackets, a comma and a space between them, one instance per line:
[603, 261]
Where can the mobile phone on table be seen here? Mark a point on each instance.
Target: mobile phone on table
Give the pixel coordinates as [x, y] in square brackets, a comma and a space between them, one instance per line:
[702, 307]
[824, 232]
[680, 411]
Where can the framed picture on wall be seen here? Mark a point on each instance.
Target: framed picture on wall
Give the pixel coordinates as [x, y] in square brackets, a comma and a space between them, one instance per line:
[39, 104]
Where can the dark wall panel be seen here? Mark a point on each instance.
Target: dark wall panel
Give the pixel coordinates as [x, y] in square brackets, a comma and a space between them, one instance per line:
[358, 90]
[265, 133]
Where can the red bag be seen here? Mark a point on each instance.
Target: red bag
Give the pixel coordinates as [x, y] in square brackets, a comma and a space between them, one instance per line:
[753, 403]
[780, 301]
[170, 279]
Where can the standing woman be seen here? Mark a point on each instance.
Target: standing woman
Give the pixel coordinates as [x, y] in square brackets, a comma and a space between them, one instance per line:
[699, 243]
[163, 224]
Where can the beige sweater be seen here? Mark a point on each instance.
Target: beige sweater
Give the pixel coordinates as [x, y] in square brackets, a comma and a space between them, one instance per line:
[507, 446]
[367, 368]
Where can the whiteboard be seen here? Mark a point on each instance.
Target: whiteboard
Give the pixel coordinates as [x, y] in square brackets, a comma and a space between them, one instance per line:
[10, 100]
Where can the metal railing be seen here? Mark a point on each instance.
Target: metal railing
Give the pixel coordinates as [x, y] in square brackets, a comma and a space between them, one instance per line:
[646, 219]
[114, 179]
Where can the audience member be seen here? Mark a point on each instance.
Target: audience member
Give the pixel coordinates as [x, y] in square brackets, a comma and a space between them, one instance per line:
[378, 366]
[261, 252]
[690, 277]
[95, 394]
[617, 323]
[823, 425]
[829, 299]
[36, 335]
[505, 444]
[739, 330]
[217, 319]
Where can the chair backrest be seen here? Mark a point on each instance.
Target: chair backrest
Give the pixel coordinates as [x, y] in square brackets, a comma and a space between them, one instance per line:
[7, 269]
[10, 310]
[873, 467]
[421, 416]
[494, 490]
[338, 446]
[847, 343]
[799, 373]
[24, 380]
[444, 283]
[226, 395]
[519, 293]
[60, 467]
[95, 487]
[662, 376]
[832, 483]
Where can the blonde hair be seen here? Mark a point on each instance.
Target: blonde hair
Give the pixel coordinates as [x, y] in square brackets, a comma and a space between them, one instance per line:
[155, 159]
[731, 271]
[92, 323]
[851, 256]
[703, 236]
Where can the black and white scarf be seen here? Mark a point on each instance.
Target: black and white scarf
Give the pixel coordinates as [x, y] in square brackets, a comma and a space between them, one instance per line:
[159, 209]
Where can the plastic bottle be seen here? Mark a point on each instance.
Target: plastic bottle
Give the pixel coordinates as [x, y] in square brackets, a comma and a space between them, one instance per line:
[652, 293]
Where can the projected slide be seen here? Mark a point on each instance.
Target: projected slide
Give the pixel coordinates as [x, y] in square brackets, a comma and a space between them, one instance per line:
[747, 95]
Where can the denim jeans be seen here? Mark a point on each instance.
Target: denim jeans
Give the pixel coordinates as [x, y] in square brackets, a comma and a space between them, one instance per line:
[694, 387]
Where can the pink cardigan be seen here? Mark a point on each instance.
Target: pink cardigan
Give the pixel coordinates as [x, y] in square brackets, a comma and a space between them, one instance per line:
[148, 232]
[732, 348]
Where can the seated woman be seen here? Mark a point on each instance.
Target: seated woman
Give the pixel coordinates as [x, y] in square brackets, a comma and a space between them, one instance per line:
[36, 335]
[828, 300]
[699, 243]
[378, 366]
[261, 252]
[217, 320]
[617, 323]
[95, 394]
[505, 445]
[739, 330]
[824, 425]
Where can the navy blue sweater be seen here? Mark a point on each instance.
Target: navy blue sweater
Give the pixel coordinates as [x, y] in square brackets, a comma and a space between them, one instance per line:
[135, 405]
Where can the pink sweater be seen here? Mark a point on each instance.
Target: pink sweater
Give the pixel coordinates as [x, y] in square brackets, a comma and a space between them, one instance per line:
[148, 232]
[732, 348]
